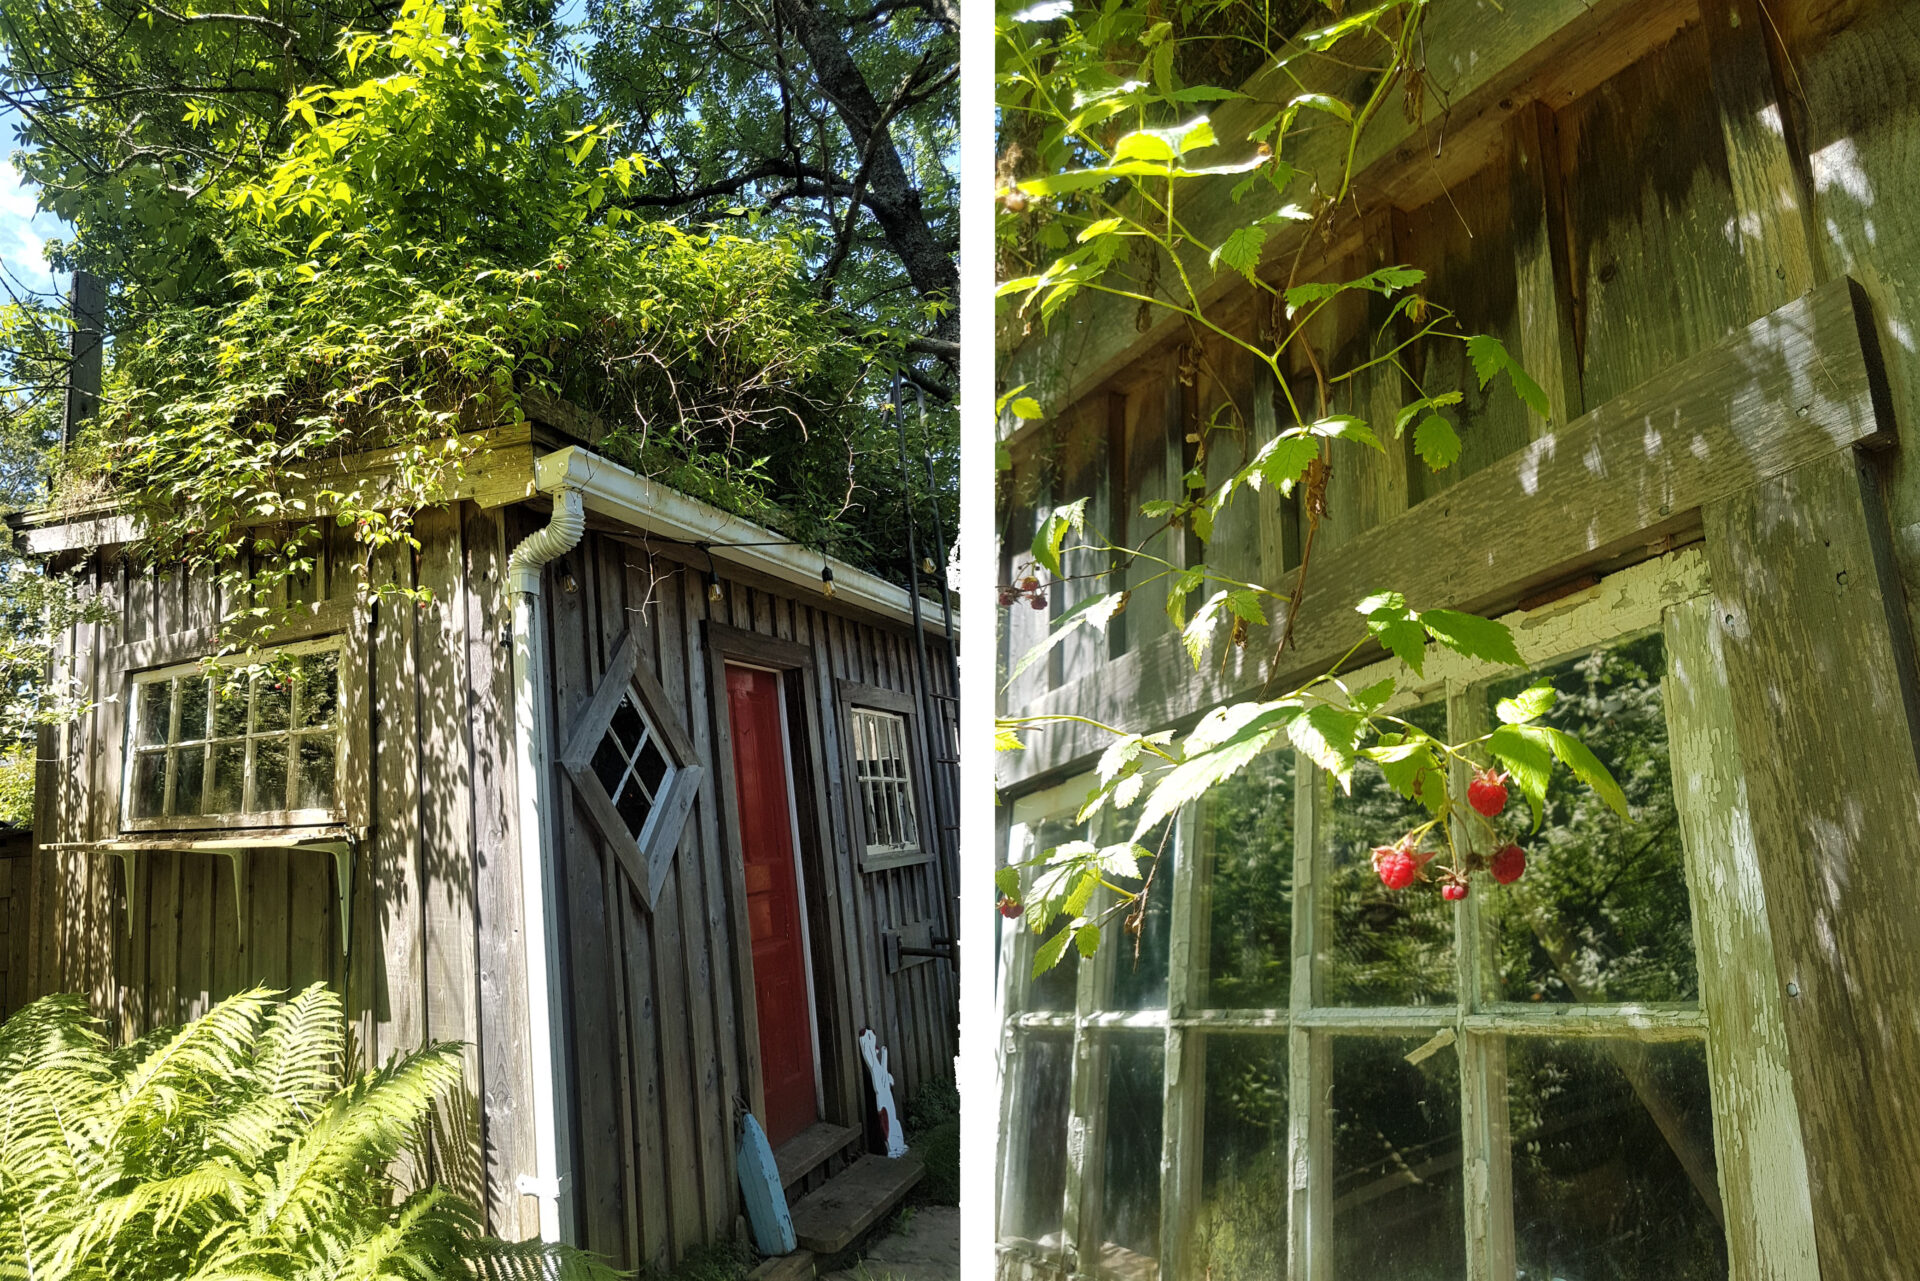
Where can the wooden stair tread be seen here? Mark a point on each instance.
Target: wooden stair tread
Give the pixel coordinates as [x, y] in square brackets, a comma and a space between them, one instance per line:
[828, 1219]
[797, 1266]
[800, 1155]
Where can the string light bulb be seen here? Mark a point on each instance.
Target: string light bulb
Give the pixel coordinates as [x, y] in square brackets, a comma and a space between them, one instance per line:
[926, 564]
[715, 592]
[826, 581]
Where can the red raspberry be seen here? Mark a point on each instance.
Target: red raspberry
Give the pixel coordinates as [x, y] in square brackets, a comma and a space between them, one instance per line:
[1028, 583]
[1509, 863]
[1008, 596]
[1453, 891]
[1487, 792]
[1009, 907]
[1038, 601]
[1398, 865]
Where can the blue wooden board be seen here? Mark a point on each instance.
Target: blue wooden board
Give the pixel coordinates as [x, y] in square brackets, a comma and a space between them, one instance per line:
[760, 1189]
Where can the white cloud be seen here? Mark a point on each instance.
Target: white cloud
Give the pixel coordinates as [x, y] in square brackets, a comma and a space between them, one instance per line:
[24, 231]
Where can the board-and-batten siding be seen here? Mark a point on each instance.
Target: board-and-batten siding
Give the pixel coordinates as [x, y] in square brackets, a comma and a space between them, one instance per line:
[435, 900]
[656, 1022]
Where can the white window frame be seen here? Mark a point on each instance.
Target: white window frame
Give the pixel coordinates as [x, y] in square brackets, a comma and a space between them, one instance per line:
[857, 699]
[1762, 1168]
[306, 817]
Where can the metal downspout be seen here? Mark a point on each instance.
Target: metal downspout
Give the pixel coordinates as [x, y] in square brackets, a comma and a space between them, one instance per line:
[533, 753]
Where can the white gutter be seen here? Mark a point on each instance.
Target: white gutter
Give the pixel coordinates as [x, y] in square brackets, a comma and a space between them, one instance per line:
[613, 491]
[532, 750]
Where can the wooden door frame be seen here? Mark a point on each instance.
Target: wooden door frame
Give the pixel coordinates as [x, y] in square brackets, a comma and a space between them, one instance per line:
[825, 911]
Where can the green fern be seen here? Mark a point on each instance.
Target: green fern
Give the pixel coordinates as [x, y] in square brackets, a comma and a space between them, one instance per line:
[237, 1148]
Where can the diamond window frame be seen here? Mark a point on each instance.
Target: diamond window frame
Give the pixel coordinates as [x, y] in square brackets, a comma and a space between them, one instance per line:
[648, 853]
[856, 700]
[338, 728]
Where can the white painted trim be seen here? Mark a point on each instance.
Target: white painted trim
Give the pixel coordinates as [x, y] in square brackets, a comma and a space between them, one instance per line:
[614, 491]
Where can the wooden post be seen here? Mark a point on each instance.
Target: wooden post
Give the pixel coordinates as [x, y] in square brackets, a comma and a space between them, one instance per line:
[1809, 614]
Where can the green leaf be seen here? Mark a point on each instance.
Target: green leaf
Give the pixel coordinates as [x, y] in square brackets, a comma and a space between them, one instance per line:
[1122, 861]
[1007, 880]
[1528, 759]
[1028, 408]
[1101, 227]
[1528, 705]
[1347, 427]
[1049, 953]
[1586, 767]
[1095, 612]
[1471, 636]
[1240, 251]
[1087, 939]
[1245, 606]
[1490, 357]
[1219, 747]
[1282, 461]
[1323, 102]
[1437, 443]
[1373, 697]
[1327, 735]
[1394, 625]
[1050, 539]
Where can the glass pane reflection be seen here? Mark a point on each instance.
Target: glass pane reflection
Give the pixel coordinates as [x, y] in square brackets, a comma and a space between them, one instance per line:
[1396, 1162]
[1239, 1227]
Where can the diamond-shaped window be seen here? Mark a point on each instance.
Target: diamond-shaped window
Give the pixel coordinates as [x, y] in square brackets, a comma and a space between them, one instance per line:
[634, 765]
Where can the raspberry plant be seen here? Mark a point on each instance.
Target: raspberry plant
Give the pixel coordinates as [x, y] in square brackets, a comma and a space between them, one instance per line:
[1102, 140]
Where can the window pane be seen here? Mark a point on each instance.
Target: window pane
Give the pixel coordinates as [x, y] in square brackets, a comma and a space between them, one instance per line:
[1396, 1162]
[1129, 1232]
[1602, 912]
[189, 780]
[227, 791]
[319, 689]
[1033, 1172]
[1613, 1165]
[150, 783]
[608, 764]
[193, 709]
[156, 711]
[634, 806]
[627, 725]
[1238, 1231]
[1388, 947]
[269, 774]
[1246, 838]
[1140, 971]
[230, 705]
[272, 702]
[314, 787]
[1056, 989]
[651, 768]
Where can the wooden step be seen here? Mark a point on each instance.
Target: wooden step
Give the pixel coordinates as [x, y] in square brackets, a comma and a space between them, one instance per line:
[802, 1154]
[797, 1266]
[828, 1219]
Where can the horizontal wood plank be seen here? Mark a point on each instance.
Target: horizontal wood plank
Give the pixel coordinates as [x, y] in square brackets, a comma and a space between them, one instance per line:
[1616, 486]
[832, 1216]
[806, 1151]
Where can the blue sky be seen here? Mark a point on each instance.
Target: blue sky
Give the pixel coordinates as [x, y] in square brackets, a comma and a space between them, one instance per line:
[23, 231]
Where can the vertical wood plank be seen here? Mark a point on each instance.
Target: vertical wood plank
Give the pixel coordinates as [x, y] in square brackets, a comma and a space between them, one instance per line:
[1542, 266]
[1756, 1129]
[1807, 609]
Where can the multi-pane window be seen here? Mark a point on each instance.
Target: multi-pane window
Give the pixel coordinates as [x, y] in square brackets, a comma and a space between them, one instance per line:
[209, 743]
[630, 764]
[881, 772]
[1300, 1073]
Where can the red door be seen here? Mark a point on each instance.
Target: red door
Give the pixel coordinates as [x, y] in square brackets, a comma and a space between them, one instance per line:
[773, 901]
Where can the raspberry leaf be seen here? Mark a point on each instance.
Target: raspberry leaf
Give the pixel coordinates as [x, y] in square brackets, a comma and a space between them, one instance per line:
[1327, 735]
[1087, 938]
[1471, 636]
[1586, 767]
[1095, 612]
[1220, 746]
[1528, 759]
[1373, 697]
[1050, 952]
[1437, 443]
[1007, 881]
[1528, 705]
[1050, 539]
[1396, 626]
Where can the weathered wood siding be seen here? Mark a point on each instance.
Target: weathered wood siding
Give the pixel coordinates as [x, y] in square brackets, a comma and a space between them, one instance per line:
[659, 1006]
[435, 899]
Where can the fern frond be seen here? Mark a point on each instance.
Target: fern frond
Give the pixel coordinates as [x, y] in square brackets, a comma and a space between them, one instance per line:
[302, 1053]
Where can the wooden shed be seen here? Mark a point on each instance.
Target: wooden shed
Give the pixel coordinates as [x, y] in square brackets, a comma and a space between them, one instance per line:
[1684, 1046]
[648, 806]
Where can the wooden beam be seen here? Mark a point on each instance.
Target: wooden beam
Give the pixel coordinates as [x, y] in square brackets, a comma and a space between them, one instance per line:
[1617, 485]
[1810, 615]
[1490, 60]
[1756, 1132]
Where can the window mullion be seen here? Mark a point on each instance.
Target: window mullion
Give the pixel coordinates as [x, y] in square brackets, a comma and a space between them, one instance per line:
[1184, 1113]
[1487, 1186]
[1309, 1054]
